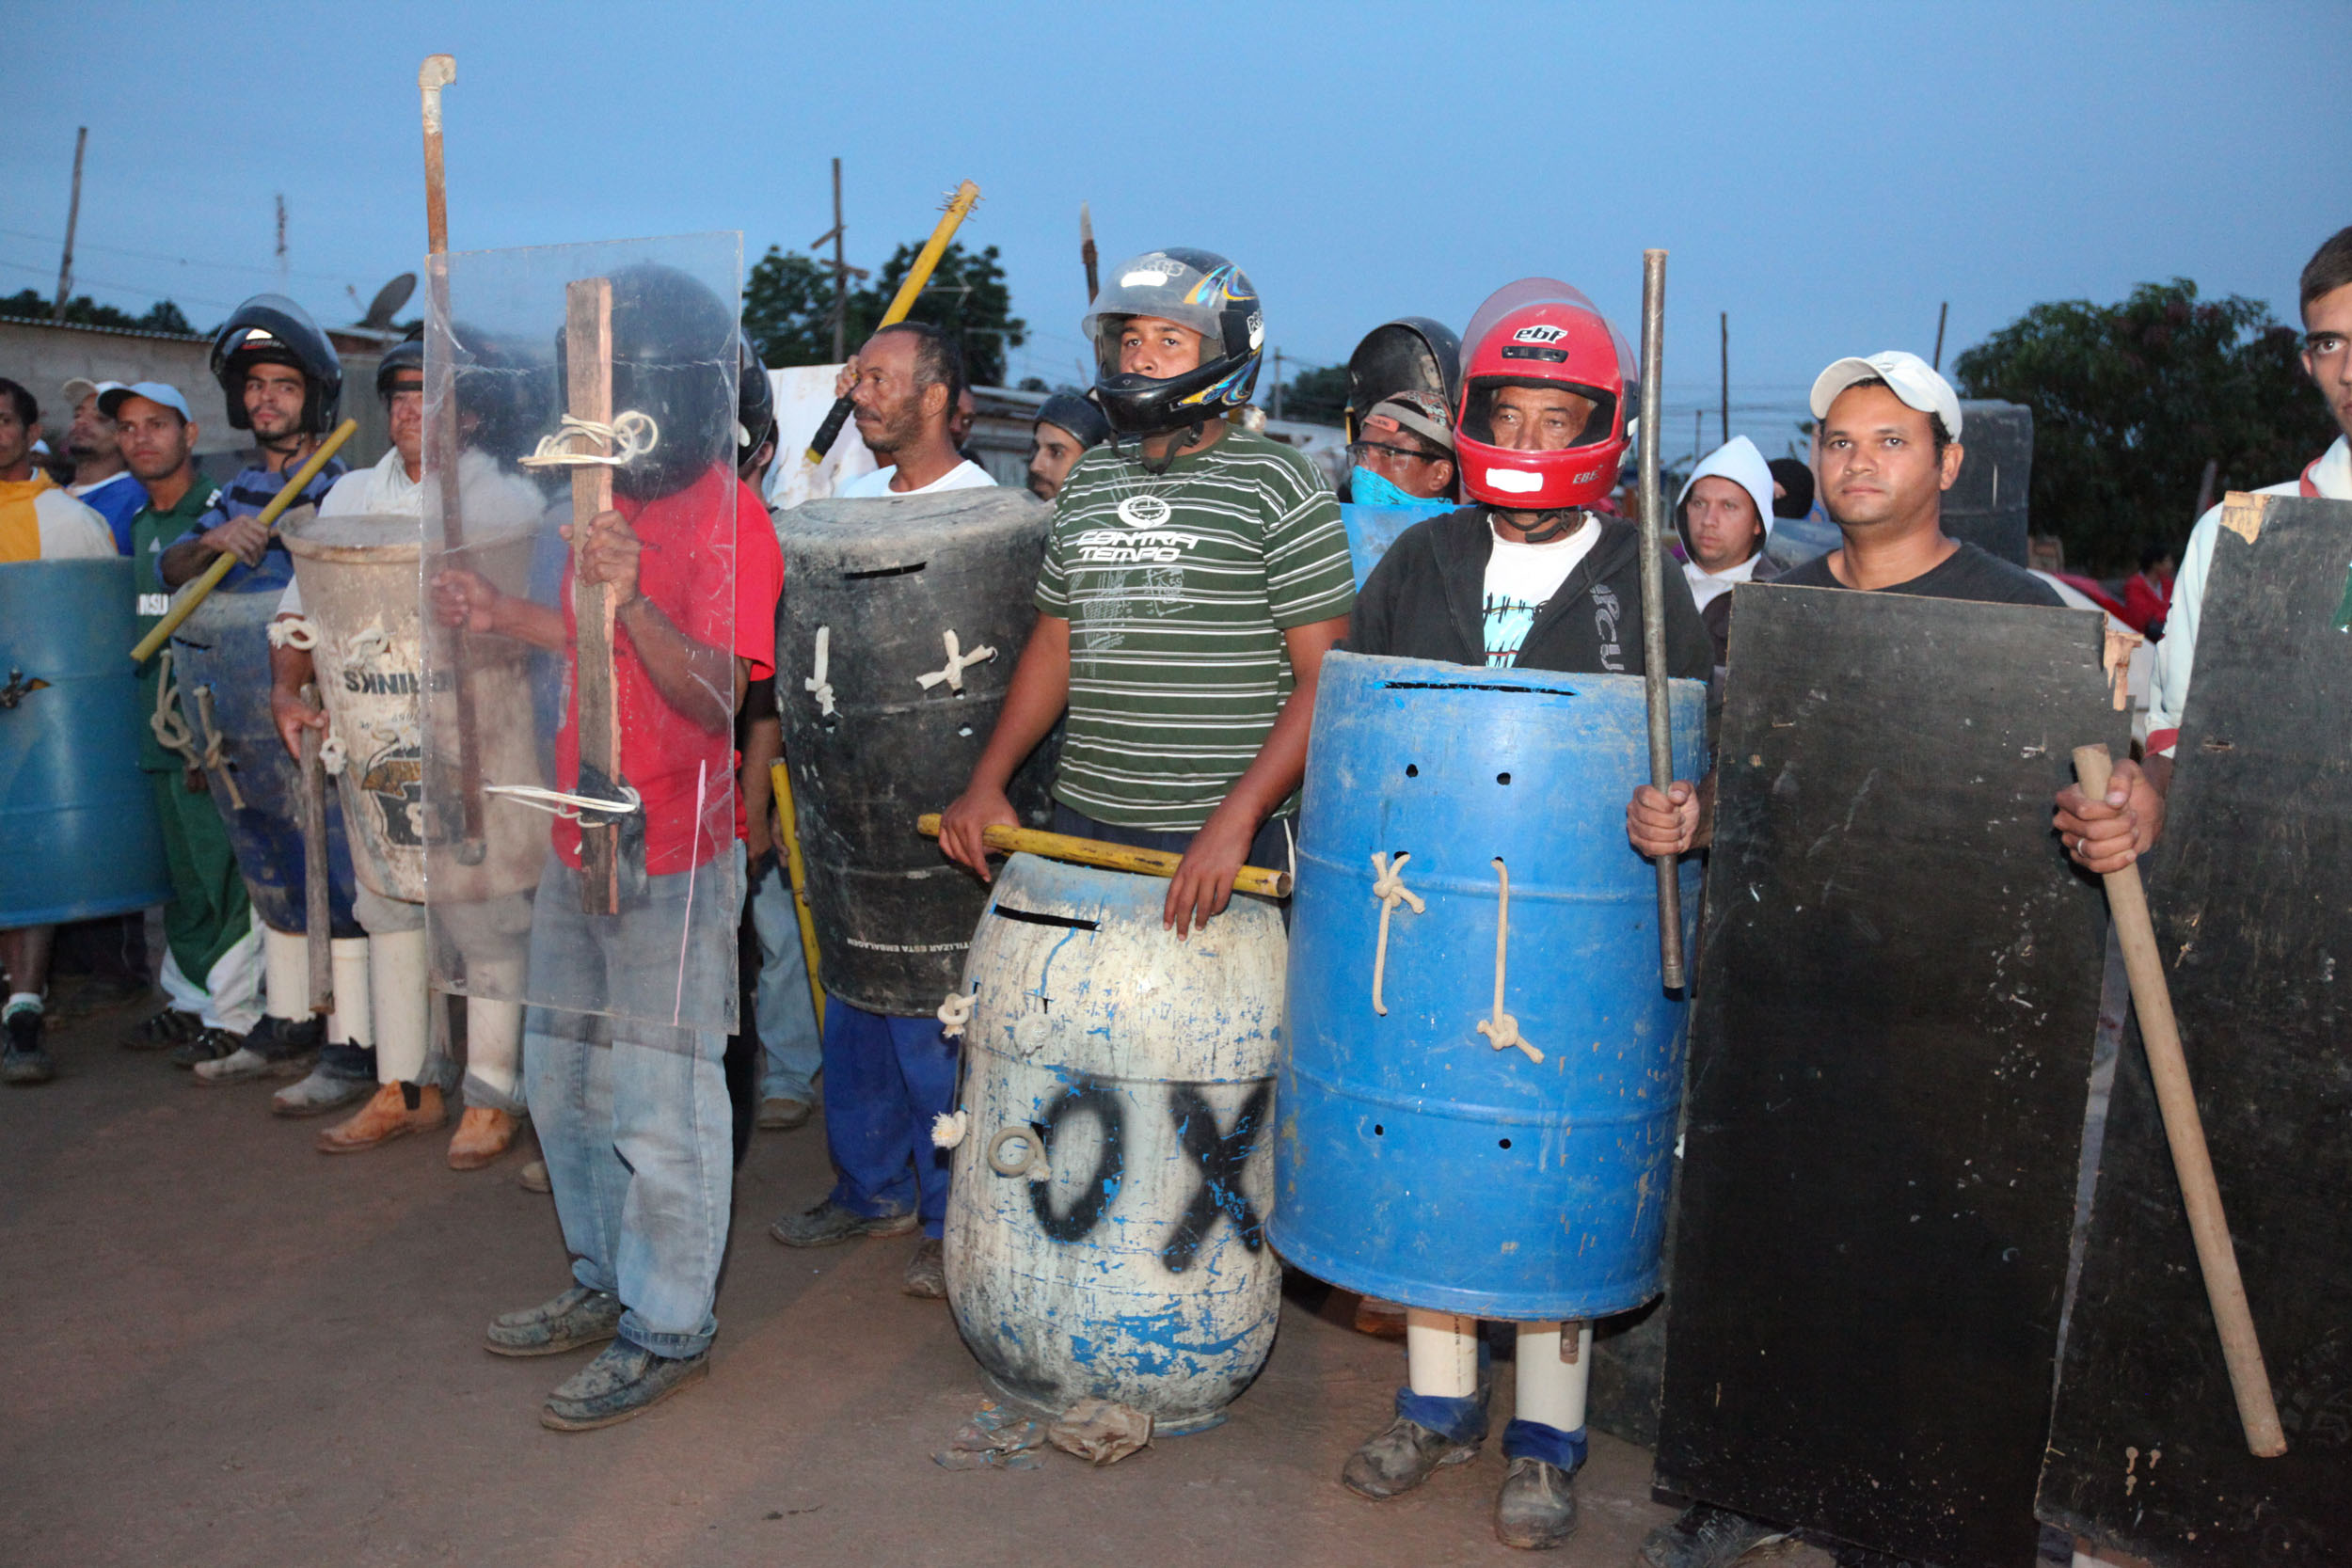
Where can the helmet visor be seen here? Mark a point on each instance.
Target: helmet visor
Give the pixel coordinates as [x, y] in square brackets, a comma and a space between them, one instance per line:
[1544, 416]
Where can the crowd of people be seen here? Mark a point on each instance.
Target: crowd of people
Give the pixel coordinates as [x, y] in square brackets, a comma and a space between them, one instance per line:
[1185, 705]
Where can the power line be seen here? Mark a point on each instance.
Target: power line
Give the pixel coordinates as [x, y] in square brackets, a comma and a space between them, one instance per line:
[85, 281]
[172, 261]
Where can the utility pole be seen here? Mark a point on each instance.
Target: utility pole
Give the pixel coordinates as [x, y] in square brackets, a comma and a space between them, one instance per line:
[1278, 383]
[284, 279]
[1698, 434]
[1726, 405]
[72, 216]
[840, 277]
[1937, 363]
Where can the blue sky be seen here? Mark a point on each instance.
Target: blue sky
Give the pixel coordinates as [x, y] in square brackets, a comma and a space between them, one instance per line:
[1827, 173]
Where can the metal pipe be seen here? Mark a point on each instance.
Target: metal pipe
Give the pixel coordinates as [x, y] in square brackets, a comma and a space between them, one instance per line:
[1661, 746]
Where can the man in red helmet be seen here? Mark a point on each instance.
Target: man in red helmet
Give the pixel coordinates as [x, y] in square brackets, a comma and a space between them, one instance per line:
[1530, 575]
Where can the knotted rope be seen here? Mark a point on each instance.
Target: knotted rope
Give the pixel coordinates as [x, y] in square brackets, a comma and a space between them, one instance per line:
[950, 1128]
[170, 726]
[955, 1013]
[564, 804]
[371, 643]
[333, 755]
[958, 662]
[1503, 1028]
[631, 434]
[1387, 885]
[293, 631]
[216, 748]
[816, 683]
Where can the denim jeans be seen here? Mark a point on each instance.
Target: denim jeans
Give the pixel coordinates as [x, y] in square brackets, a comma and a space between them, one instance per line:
[633, 1117]
[784, 1011]
[885, 1079]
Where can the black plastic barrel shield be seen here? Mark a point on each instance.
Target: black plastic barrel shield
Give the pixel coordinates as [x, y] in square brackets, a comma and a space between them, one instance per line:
[2254, 916]
[1898, 989]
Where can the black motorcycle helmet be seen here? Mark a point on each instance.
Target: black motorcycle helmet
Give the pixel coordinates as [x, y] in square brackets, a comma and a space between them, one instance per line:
[271, 330]
[674, 355]
[1195, 289]
[1412, 353]
[755, 402]
[1080, 416]
[407, 355]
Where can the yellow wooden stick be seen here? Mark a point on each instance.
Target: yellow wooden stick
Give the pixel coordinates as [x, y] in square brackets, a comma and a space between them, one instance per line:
[781, 784]
[1111, 857]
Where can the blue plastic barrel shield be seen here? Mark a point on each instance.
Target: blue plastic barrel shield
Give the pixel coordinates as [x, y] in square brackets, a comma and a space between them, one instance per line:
[1371, 530]
[1417, 1159]
[76, 813]
[221, 652]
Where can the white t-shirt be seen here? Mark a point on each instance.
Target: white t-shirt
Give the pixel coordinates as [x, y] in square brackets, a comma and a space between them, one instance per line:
[967, 475]
[1519, 579]
[2176, 655]
[1706, 586]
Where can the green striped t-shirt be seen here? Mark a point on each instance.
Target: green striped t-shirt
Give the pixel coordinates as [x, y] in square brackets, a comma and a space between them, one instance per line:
[1177, 589]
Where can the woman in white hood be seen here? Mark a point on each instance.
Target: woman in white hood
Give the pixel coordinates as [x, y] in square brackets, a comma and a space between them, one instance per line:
[1725, 514]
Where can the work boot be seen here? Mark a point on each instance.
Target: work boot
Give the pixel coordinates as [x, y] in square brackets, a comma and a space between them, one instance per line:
[164, 1029]
[927, 1270]
[533, 1178]
[325, 1090]
[1705, 1536]
[210, 1045]
[829, 1224]
[398, 1109]
[626, 1380]
[1535, 1510]
[1400, 1457]
[483, 1134]
[781, 1114]
[24, 1059]
[578, 1317]
[276, 1048]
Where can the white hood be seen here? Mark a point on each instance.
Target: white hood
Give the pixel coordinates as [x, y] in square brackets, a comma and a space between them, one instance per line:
[1737, 460]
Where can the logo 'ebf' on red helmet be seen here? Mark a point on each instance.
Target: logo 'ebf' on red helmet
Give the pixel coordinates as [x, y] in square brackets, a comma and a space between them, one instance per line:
[1543, 333]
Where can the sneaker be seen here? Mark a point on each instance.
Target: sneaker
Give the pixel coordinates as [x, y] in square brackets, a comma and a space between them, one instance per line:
[781, 1114]
[208, 1045]
[927, 1270]
[397, 1110]
[245, 1064]
[24, 1060]
[483, 1134]
[1706, 1536]
[624, 1381]
[1400, 1457]
[325, 1090]
[578, 1317]
[533, 1178]
[165, 1029]
[292, 1041]
[829, 1224]
[1535, 1510]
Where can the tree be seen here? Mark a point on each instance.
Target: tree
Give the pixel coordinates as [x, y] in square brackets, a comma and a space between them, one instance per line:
[2131, 400]
[1314, 396]
[788, 306]
[162, 316]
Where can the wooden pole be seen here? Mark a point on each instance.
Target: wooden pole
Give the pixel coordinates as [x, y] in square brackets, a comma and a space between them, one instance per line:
[1942, 311]
[1111, 857]
[72, 217]
[318, 936]
[1085, 250]
[588, 369]
[2184, 1130]
[441, 438]
[1671, 968]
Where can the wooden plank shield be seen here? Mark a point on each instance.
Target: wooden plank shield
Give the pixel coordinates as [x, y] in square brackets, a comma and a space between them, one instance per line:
[2254, 916]
[1897, 992]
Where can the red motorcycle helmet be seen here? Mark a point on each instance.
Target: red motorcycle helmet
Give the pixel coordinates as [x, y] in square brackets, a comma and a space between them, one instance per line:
[1541, 332]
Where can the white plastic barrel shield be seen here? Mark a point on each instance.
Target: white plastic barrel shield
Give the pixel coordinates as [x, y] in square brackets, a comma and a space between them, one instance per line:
[1106, 1221]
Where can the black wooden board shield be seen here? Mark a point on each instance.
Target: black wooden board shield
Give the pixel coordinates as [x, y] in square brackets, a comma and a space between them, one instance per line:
[886, 579]
[2254, 916]
[1897, 993]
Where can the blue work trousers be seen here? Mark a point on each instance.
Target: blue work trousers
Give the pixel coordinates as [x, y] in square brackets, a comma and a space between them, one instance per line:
[885, 1079]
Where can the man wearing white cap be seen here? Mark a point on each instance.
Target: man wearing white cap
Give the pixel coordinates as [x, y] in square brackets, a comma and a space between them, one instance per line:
[1725, 514]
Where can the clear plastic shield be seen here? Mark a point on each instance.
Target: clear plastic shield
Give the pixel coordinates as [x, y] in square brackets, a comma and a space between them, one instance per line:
[579, 805]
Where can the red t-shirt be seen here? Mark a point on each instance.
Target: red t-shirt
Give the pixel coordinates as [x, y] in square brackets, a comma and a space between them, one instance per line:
[712, 564]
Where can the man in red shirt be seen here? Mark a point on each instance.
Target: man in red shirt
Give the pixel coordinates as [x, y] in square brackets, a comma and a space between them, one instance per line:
[637, 1135]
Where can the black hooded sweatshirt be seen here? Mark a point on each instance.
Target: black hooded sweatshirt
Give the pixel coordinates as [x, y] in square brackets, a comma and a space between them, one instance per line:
[1426, 599]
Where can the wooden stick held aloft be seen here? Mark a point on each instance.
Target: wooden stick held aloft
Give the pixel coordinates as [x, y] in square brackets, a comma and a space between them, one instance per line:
[1671, 970]
[2184, 1130]
[1110, 857]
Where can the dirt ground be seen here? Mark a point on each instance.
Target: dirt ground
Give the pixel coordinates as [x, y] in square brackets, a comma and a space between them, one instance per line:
[224, 1348]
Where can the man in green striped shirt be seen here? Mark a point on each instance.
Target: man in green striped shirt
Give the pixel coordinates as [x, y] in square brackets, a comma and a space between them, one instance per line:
[1195, 577]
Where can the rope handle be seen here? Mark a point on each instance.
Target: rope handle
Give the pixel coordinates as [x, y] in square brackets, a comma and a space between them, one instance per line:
[630, 436]
[1503, 1029]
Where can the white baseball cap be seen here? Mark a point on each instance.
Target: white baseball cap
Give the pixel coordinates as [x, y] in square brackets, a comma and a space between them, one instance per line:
[82, 386]
[1908, 376]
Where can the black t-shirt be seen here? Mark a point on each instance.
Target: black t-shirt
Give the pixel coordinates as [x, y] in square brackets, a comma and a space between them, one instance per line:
[1968, 573]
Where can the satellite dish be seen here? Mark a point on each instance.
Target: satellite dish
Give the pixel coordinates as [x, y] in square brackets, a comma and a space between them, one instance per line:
[389, 298]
